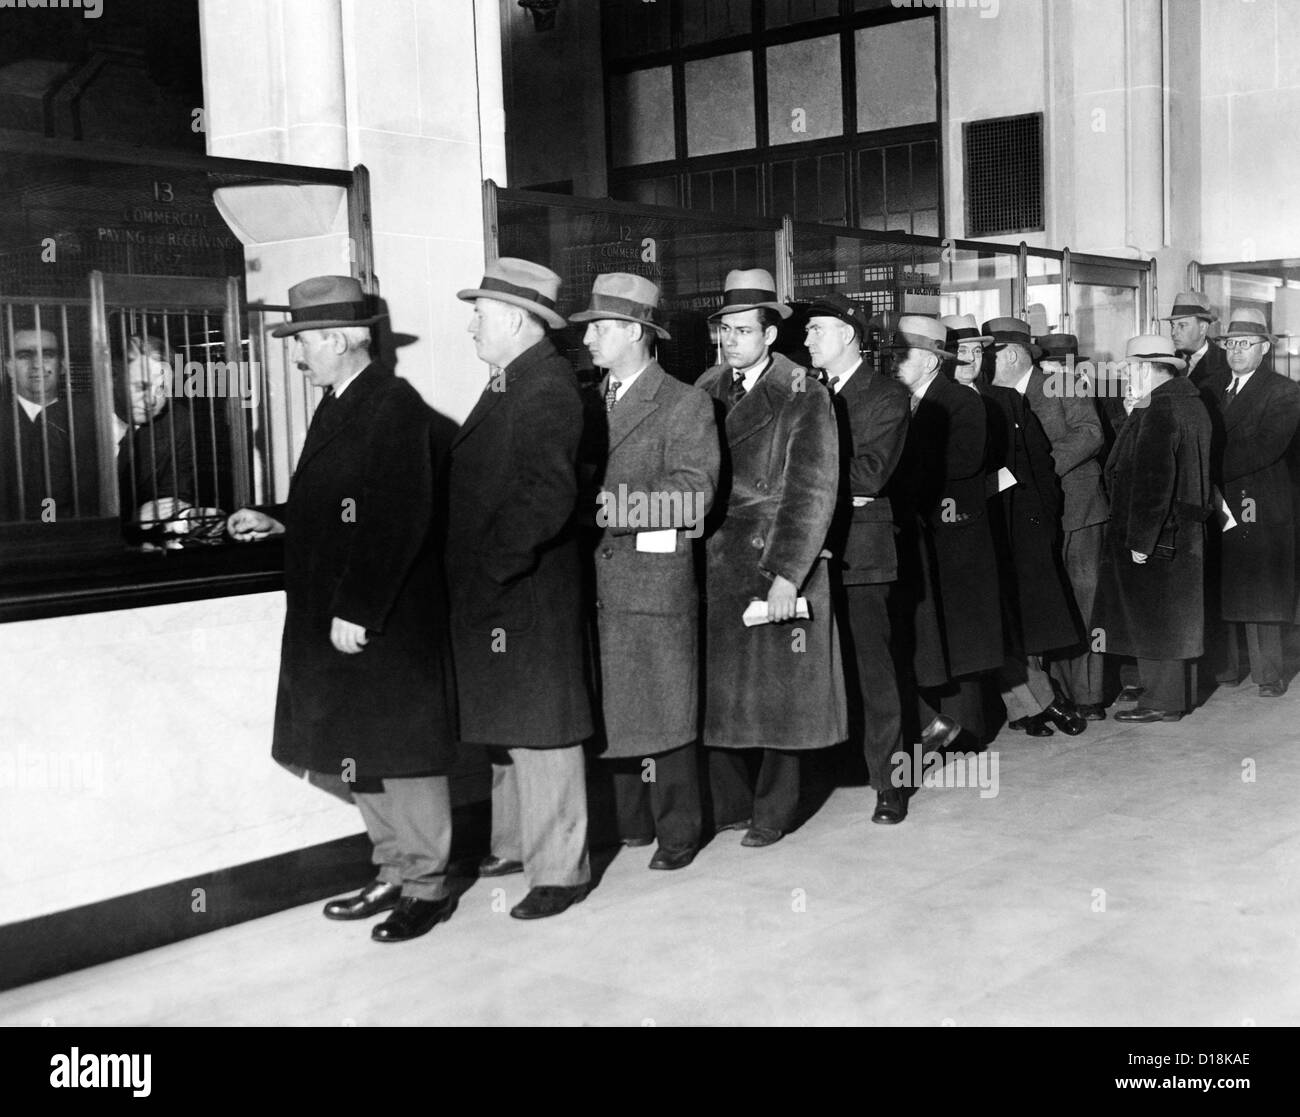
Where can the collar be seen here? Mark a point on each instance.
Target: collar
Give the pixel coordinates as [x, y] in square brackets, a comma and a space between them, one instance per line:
[1240, 381]
[844, 376]
[340, 388]
[1193, 358]
[918, 393]
[627, 381]
[32, 409]
[1023, 383]
[750, 375]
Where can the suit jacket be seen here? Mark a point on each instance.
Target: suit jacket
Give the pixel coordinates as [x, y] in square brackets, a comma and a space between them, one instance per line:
[1259, 554]
[1073, 426]
[1158, 475]
[660, 470]
[66, 431]
[158, 459]
[361, 545]
[872, 414]
[949, 565]
[1210, 368]
[513, 560]
[773, 686]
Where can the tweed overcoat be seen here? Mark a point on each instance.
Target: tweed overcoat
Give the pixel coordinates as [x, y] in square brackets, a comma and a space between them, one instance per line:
[1072, 423]
[774, 685]
[512, 559]
[361, 544]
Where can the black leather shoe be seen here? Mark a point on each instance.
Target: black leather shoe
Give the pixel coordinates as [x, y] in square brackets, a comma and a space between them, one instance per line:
[1035, 726]
[635, 843]
[891, 807]
[1092, 711]
[1065, 718]
[673, 858]
[758, 836]
[1144, 714]
[413, 918]
[548, 899]
[1272, 690]
[742, 824]
[939, 734]
[1230, 680]
[371, 900]
[493, 866]
[1130, 694]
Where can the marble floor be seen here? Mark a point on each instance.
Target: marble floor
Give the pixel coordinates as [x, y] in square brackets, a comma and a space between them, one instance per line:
[1136, 875]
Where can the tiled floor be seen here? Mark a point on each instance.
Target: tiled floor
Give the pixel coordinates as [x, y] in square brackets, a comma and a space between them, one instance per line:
[1128, 876]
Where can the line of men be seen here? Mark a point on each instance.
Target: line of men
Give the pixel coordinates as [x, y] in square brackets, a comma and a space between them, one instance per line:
[878, 552]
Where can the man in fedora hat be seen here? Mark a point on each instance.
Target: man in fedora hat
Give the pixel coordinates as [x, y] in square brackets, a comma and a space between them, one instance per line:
[366, 694]
[871, 412]
[516, 589]
[656, 482]
[1189, 325]
[1149, 603]
[776, 686]
[968, 346]
[1061, 396]
[1261, 412]
[948, 565]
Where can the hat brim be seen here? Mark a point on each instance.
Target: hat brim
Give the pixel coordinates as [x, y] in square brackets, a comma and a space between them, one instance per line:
[1245, 333]
[1063, 359]
[600, 315]
[288, 329]
[1034, 351]
[1176, 363]
[947, 355]
[781, 308]
[967, 340]
[1202, 315]
[549, 316]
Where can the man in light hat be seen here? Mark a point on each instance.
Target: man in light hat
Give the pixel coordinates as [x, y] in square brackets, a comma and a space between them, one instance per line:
[871, 412]
[1062, 398]
[366, 699]
[1149, 603]
[516, 590]
[778, 685]
[1261, 411]
[947, 562]
[659, 474]
[1189, 326]
[968, 345]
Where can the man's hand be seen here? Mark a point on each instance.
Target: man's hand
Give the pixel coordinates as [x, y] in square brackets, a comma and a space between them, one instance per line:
[1138, 556]
[347, 637]
[781, 600]
[248, 524]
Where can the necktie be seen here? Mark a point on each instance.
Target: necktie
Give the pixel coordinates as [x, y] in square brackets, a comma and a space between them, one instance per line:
[737, 391]
[916, 402]
[830, 384]
[611, 394]
[1231, 393]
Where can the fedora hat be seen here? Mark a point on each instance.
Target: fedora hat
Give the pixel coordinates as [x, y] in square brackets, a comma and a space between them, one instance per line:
[1011, 331]
[1059, 347]
[625, 297]
[835, 305]
[749, 290]
[915, 331]
[1190, 304]
[962, 327]
[326, 302]
[1155, 348]
[519, 283]
[1246, 321]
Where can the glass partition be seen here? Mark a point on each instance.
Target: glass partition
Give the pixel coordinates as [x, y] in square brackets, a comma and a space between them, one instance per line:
[1106, 305]
[1043, 310]
[978, 281]
[1271, 287]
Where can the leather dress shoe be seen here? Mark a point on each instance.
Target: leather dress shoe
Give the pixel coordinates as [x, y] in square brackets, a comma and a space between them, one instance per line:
[891, 806]
[758, 836]
[635, 843]
[1131, 694]
[741, 824]
[493, 866]
[377, 896]
[673, 858]
[548, 899]
[1092, 711]
[940, 733]
[413, 918]
[1144, 714]
[1272, 690]
[1231, 680]
[1035, 726]
[1066, 718]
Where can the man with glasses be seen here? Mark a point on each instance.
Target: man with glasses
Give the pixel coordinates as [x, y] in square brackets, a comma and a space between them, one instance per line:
[1261, 412]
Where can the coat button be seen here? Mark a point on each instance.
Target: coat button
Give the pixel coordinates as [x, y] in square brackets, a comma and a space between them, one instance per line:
[756, 543]
[600, 605]
[760, 485]
[608, 552]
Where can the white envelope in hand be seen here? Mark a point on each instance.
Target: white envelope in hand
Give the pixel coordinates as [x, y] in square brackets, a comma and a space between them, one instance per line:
[756, 612]
[663, 542]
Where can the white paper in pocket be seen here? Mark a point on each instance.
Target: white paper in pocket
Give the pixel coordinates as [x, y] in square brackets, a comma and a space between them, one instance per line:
[662, 542]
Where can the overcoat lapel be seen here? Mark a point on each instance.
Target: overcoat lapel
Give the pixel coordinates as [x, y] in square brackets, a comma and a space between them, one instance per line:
[328, 425]
[637, 404]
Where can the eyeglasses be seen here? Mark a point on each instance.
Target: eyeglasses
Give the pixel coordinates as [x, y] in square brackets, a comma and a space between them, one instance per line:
[1241, 343]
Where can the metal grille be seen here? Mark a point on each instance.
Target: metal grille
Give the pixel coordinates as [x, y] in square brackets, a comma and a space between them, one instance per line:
[1004, 175]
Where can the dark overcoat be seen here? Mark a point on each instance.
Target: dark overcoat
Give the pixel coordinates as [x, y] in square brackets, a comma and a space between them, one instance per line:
[774, 685]
[1072, 423]
[1211, 368]
[361, 545]
[512, 559]
[662, 444]
[1258, 556]
[58, 435]
[871, 413]
[1158, 477]
[158, 459]
[1036, 593]
[949, 566]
